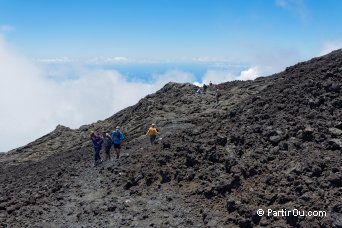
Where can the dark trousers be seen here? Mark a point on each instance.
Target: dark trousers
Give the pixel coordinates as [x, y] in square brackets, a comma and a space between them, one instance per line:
[152, 139]
[97, 155]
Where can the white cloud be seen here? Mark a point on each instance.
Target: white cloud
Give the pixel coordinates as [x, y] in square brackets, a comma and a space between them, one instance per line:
[108, 60]
[174, 76]
[116, 59]
[22, 90]
[250, 74]
[330, 46]
[55, 60]
[266, 61]
[32, 104]
[217, 76]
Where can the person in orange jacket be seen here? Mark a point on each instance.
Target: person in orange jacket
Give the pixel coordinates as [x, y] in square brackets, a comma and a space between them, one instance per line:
[152, 132]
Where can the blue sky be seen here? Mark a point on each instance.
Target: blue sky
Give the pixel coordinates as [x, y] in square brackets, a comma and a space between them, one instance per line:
[169, 29]
[65, 62]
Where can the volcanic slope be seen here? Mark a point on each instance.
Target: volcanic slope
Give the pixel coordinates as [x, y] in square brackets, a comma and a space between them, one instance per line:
[272, 143]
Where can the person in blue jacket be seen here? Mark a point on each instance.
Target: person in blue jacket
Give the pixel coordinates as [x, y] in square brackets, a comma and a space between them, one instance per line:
[118, 137]
[97, 143]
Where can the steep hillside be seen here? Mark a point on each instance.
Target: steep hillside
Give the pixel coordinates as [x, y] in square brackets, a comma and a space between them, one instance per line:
[272, 143]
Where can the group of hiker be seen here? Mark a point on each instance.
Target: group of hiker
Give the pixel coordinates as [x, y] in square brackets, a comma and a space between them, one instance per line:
[212, 87]
[105, 141]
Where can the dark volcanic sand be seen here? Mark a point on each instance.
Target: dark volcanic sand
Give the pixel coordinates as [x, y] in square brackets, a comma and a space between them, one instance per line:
[274, 142]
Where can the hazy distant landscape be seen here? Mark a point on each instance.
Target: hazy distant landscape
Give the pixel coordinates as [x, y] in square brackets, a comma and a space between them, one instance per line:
[148, 72]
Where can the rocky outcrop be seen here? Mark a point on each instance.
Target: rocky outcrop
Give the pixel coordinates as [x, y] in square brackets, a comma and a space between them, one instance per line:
[272, 143]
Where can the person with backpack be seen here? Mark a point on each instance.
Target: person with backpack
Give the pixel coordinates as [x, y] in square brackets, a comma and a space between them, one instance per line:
[117, 140]
[152, 132]
[107, 144]
[205, 87]
[97, 143]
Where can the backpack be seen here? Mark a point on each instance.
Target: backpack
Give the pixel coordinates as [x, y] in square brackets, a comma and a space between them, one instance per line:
[117, 137]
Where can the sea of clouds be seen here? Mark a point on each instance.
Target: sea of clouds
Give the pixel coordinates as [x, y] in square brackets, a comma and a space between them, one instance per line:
[36, 96]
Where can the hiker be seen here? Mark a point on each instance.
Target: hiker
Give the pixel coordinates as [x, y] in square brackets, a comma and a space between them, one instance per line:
[210, 84]
[107, 144]
[205, 87]
[199, 91]
[97, 143]
[217, 95]
[117, 140]
[152, 132]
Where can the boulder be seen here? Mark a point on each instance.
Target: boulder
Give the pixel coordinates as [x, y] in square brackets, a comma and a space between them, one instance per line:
[275, 139]
[335, 144]
[335, 132]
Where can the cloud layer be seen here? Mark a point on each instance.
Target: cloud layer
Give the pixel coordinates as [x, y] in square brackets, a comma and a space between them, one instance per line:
[33, 104]
[35, 98]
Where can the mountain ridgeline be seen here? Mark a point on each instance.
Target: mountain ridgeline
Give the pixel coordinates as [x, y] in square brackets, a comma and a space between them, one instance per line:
[272, 143]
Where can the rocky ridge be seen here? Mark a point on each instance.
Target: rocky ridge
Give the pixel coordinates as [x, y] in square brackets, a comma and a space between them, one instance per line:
[274, 142]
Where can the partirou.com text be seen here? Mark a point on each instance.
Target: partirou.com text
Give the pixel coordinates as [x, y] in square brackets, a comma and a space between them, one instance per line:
[290, 212]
